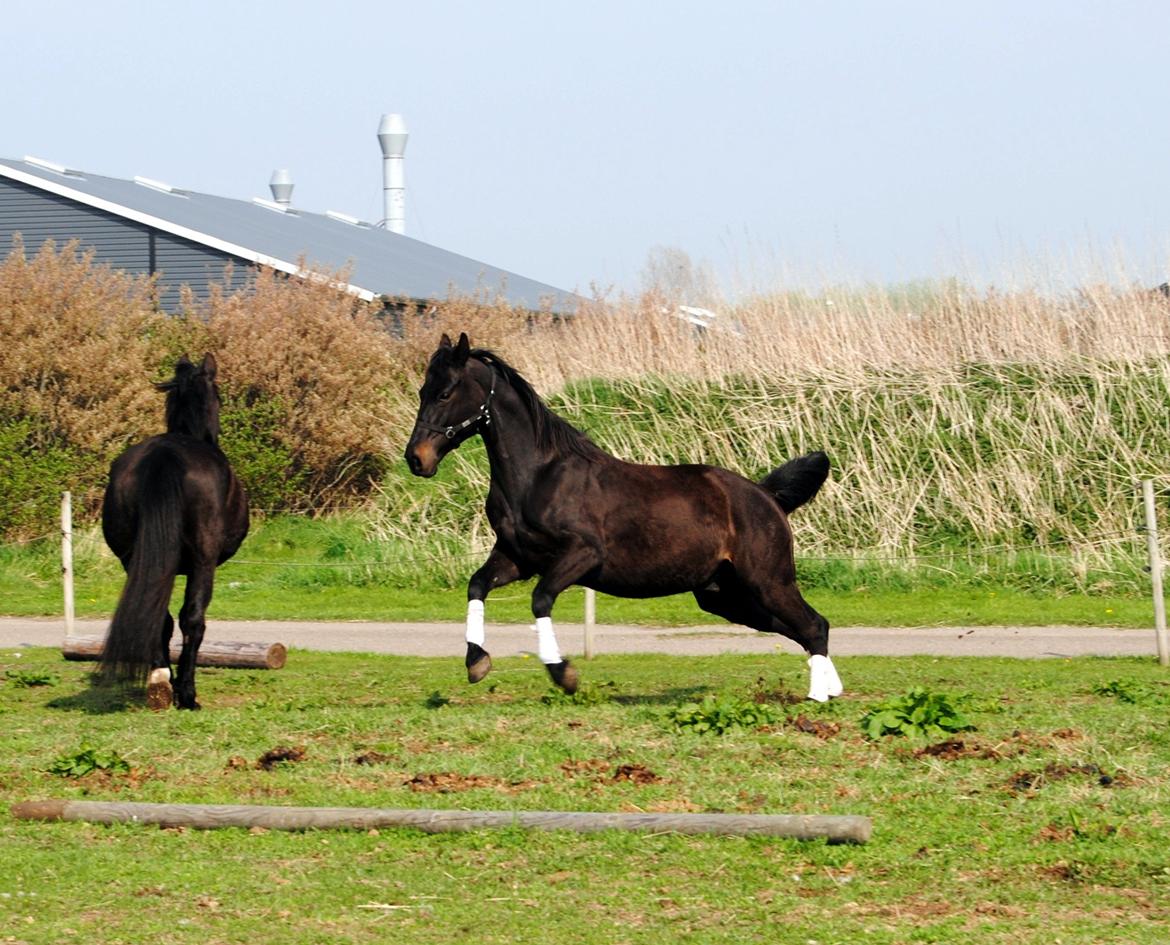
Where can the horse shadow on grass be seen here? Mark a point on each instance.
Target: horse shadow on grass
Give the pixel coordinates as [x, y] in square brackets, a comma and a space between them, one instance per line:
[97, 700]
[666, 697]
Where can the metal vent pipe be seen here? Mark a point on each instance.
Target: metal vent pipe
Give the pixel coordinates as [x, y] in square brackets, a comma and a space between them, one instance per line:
[281, 186]
[392, 135]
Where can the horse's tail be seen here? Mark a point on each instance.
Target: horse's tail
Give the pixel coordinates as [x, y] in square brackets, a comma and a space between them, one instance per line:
[136, 630]
[797, 481]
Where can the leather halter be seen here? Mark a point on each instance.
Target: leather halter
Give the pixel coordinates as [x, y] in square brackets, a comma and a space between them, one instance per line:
[482, 414]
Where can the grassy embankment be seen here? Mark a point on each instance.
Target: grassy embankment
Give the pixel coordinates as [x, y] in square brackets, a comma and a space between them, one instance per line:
[977, 496]
[986, 445]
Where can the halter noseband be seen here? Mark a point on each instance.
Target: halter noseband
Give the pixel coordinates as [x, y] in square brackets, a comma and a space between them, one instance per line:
[449, 432]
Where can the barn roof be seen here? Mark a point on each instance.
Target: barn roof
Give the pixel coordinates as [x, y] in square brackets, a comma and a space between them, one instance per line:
[379, 262]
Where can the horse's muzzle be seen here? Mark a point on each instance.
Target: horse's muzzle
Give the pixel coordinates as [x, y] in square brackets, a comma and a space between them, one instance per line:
[422, 458]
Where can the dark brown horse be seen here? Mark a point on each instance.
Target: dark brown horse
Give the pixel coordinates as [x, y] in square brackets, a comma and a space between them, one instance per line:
[173, 506]
[565, 510]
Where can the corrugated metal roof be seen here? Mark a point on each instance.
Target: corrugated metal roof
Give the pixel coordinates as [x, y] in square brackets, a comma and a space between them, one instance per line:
[379, 262]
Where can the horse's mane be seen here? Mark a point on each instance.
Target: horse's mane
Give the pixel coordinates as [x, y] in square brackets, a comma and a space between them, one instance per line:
[552, 432]
[190, 408]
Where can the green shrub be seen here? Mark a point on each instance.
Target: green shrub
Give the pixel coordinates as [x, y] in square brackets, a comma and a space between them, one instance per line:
[918, 713]
[31, 678]
[1131, 693]
[715, 716]
[34, 471]
[88, 759]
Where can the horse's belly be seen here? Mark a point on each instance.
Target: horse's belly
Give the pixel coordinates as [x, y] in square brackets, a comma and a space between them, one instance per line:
[654, 581]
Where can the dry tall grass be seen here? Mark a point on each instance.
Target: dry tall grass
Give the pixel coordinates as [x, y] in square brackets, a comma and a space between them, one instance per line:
[990, 418]
[951, 414]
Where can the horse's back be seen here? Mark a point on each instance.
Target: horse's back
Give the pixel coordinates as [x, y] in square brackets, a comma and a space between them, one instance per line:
[213, 502]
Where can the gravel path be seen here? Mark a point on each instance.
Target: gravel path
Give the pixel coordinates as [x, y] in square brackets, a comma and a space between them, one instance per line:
[446, 639]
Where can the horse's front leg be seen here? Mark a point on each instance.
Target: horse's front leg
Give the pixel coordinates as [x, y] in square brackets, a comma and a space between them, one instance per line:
[570, 568]
[498, 570]
[192, 621]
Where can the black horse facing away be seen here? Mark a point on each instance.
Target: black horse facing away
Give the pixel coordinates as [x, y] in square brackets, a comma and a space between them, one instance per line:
[564, 509]
[172, 506]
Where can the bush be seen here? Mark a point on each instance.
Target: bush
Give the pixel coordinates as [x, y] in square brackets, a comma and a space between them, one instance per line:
[716, 716]
[34, 471]
[919, 713]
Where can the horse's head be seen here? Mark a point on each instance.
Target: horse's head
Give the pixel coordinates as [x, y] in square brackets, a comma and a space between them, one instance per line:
[453, 405]
[193, 399]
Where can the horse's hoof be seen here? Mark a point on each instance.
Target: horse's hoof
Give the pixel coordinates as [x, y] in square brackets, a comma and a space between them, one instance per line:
[159, 692]
[159, 696]
[478, 663]
[564, 674]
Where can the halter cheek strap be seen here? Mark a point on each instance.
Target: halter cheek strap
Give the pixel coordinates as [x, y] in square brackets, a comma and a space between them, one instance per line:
[482, 415]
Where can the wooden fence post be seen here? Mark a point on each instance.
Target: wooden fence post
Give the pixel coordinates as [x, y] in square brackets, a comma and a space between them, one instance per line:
[1156, 572]
[590, 620]
[67, 558]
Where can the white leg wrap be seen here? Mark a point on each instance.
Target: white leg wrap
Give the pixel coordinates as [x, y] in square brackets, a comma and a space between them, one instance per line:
[546, 641]
[475, 622]
[160, 675]
[835, 686]
[822, 679]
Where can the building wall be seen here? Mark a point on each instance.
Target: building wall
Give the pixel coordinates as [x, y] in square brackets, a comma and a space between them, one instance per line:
[123, 244]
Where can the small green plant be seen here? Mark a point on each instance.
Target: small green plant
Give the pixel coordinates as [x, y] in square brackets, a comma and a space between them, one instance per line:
[1129, 692]
[715, 716]
[88, 759]
[29, 678]
[919, 712]
[436, 700]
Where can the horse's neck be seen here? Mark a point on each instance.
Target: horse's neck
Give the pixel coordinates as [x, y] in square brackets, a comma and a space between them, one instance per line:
[514, 454]
[201, 429]
[194, 416]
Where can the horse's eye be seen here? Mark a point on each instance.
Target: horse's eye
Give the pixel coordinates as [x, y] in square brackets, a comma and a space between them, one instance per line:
[446, 395]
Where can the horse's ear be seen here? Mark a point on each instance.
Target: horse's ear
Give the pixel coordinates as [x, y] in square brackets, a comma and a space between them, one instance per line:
[462, 350]
[445, 341]
[209, 366]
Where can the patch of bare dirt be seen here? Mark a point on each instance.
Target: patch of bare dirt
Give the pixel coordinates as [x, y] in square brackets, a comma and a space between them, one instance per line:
[637, 774]
[1018, 743]
[1052, 833]
[584, 767]
[818, 727]
[372, 758]
[1025, 781]
[448, 782]
[764, 694]
[601, 771]
[282, 754]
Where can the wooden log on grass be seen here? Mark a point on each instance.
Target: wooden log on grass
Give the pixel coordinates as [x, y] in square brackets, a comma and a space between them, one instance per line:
[226, 653]
[834, 829]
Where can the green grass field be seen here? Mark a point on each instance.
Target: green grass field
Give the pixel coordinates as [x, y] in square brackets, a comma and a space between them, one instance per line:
[1046, 823]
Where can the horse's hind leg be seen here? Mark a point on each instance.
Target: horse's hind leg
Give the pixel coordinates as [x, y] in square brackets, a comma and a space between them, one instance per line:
[799, 622]
[778, 609]
[497, 571]
[159, 692]
[192, 621]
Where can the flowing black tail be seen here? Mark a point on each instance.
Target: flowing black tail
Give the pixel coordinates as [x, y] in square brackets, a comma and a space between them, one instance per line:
[136, 630]
[798, 480]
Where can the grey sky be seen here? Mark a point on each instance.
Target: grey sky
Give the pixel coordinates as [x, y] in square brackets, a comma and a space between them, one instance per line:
[844, 140]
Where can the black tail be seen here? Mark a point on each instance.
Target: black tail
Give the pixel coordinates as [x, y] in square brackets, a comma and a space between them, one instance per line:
[798, 480]
[136, 630]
